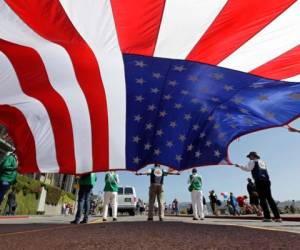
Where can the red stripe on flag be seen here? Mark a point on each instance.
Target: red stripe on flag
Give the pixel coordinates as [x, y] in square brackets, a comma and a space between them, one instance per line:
[23, 139]
[284, 66]
[236, 24]
[34, 82]
[138, 24]
[49, 20]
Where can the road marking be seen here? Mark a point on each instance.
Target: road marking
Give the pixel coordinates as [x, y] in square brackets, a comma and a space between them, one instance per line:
[38, 230]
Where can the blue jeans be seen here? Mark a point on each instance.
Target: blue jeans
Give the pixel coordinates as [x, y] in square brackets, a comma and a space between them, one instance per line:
[4, 186]
[83, 206]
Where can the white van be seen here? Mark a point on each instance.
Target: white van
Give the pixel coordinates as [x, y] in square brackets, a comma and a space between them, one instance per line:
[127, 200]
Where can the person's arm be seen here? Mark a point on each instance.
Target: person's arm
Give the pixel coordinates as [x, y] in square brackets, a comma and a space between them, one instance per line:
[144, 173]
[117, 179]
[248, 167]
[172, 172]
[291, 129]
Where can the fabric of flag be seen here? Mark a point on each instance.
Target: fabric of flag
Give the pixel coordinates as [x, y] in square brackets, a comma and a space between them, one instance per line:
[93, 85]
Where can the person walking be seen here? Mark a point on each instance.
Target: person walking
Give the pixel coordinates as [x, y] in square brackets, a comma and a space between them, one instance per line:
[111, 194]
[86, 184]
[195, 187]
[156, 189]
[8, 172]
[12, 203]
[259, 172]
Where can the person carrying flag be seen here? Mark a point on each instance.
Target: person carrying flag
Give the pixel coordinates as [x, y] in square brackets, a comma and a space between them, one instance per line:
[263, 185]
[195, 187]
[156, 189]
[111, 194]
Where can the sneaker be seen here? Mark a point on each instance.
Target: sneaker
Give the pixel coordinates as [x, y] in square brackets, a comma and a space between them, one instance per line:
[74, 222]
[161, 219]
[114, 219]
[278, 220]
[202, 219]
[150, 219]
[195, 218]
[104, 220]
[267, 220]
[83, 222]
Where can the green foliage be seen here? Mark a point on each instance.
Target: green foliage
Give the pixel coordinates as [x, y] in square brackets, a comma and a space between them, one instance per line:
[28, 185]
[53, 195]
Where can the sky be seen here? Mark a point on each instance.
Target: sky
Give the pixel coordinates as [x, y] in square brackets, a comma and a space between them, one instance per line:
[278, 147]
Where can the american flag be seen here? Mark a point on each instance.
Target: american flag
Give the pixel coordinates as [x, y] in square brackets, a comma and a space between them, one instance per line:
[92, 85]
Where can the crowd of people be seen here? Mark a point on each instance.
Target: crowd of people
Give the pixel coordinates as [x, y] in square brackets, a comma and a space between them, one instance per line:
[259, 191]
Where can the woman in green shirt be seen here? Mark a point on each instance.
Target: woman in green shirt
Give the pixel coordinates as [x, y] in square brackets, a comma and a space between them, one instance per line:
[111, 194]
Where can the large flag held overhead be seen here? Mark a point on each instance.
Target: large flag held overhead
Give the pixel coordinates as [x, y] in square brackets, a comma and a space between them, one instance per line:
[92, 85]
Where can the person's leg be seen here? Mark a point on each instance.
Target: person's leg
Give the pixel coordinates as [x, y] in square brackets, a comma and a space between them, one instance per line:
[4, 186]
[114, 205]
[87, 202]
[200, 205]
[161, 200]
[194, 204]
[262, 199]
[80, 201]
[271, 201]
[105, 204]
[151, 201]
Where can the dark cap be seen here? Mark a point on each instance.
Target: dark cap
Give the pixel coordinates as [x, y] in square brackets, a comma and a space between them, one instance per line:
[194, 170]
[253, 153]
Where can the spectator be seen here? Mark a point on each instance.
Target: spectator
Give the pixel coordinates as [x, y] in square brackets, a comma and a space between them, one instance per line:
[8, 172]
[293, 207]
[234, 204]
[86, 184]
[263, 185]
[175, 208]
[254, 201]
[195, 187]
[205, 210]
[111, 194]
[156, 189]
[12, 203]
[213, 202]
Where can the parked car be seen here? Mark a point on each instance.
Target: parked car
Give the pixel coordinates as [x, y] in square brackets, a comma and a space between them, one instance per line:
[127, 200]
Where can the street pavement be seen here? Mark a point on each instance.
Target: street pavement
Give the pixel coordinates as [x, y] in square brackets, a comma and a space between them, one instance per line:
[285, 226]
[134, 232]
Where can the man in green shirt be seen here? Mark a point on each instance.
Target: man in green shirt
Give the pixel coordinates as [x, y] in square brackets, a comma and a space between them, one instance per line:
[111, 194]
[195, 187]
[86, 184]
[8, 173]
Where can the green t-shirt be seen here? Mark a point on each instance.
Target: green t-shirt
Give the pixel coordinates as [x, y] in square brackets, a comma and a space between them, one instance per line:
[88, 179]
[8, 168]
[195, 181]
[111, 182]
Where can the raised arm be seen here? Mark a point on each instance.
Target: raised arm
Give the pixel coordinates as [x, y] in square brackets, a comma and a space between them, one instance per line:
[247, 168]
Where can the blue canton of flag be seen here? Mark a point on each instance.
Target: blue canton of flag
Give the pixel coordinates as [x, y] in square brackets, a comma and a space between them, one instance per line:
[183, 114]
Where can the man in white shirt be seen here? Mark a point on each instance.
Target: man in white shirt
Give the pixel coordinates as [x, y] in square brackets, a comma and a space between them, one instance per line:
[259, 172]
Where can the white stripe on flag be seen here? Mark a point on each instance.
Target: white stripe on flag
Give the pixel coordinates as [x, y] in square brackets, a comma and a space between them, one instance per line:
[293, 79]
[62, 78]
[183, 24]
[94, 21]
[35, 113]
[275, 39]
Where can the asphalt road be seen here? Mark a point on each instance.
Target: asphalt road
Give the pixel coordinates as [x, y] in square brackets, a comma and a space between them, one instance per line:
[136, 233]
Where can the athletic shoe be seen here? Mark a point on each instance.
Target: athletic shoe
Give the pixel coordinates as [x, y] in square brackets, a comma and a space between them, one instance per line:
[195, 218]
[202, 219]
[267, 220]
[83, 222]
[114, 219]
[104, 220]
[278, 220]
[161, 219]
[150, 219]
